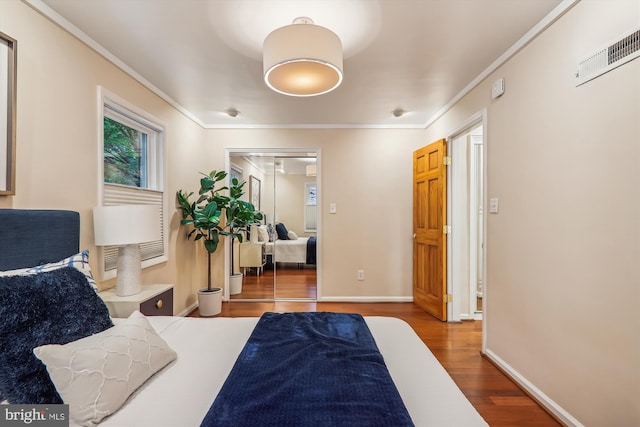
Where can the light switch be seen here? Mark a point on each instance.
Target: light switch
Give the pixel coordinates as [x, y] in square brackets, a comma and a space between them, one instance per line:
[332, 208]
[493, 205]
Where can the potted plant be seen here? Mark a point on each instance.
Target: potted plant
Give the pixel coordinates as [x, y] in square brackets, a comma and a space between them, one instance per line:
[205, 214]
[240, 215]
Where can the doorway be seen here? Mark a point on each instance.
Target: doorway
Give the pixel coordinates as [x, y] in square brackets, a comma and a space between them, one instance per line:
[288, 184]
[466, 216]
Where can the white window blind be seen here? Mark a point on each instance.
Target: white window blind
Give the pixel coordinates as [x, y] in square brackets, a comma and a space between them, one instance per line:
[123, 195]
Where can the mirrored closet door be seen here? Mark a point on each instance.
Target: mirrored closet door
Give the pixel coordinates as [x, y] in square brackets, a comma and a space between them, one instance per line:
[279, 258]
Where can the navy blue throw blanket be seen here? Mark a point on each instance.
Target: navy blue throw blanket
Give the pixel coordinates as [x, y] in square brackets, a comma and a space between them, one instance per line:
[311, 250]
[309, 369]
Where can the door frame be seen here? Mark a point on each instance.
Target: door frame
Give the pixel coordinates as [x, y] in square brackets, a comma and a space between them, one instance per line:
[453, 250]
[234, 151]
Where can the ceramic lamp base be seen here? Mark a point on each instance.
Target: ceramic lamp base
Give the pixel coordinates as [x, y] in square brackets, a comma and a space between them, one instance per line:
[129, 267]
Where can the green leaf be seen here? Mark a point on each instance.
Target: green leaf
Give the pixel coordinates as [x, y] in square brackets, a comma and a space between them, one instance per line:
[219, 176]
[206, 185]
[211, 209]
[211, 244]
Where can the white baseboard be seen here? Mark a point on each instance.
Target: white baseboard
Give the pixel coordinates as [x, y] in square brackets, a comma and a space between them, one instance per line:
[365, 299]
[193, 306]
[188, 310]
[542, 398]
[474, 316]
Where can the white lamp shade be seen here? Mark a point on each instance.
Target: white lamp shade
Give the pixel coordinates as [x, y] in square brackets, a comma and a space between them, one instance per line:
[311, 170]
[302, 59]
[126, 224]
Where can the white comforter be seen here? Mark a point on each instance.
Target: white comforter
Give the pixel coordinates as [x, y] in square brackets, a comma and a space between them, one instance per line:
[288, 250]
[181, 393]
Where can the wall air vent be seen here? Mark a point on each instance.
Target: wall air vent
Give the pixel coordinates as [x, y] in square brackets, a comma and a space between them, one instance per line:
[606, 59]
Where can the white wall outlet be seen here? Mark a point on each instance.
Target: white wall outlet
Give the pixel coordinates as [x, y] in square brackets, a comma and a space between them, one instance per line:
[332, 208]
[360, 275]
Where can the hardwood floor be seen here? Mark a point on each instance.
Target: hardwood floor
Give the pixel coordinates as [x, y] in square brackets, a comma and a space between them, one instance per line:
[456, 345]
[291, 282]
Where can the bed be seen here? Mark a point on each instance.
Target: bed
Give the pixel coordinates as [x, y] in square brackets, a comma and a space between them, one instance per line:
[290, 250]
[285, 246]
[197, 355]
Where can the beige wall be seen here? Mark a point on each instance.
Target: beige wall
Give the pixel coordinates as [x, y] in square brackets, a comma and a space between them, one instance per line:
[57, 155]
[290, 201]
[563, 270]
[57, 160]
[368, 174]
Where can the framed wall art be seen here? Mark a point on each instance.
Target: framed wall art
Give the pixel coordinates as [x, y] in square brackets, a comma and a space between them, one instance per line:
[254, 191]
[7, 115]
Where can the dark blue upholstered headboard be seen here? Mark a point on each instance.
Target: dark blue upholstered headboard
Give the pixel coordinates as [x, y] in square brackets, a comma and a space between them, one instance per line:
[30, 237]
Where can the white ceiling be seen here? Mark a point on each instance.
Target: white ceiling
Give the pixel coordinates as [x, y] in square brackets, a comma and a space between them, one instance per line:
[205, 55]
[278, 163]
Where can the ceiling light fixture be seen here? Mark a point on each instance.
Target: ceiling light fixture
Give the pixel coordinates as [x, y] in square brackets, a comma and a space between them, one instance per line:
[398, 112]
[232, 112]
[302, 59]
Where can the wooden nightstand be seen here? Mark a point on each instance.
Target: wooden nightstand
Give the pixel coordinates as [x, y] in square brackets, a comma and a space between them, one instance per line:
[153, 300]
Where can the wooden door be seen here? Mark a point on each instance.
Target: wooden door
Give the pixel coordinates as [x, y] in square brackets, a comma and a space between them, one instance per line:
[429, 220]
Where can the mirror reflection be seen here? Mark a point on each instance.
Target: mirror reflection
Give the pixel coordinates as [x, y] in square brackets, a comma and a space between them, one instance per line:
[279, 257]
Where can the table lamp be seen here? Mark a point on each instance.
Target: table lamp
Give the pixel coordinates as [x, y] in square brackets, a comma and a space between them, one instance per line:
[127, 226]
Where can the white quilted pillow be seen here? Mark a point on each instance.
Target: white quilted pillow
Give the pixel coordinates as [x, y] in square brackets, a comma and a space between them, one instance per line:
[95, 375]
[263, 233]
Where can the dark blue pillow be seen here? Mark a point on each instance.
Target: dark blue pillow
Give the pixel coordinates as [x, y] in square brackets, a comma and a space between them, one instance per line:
[55, 307]
[283, 234]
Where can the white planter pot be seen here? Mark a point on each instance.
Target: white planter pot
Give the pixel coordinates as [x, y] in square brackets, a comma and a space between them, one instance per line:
[210, 302]
[235, 284]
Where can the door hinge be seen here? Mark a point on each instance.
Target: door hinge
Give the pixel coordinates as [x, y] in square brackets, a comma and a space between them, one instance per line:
[446, 160]
[446, 229]
[448, 298]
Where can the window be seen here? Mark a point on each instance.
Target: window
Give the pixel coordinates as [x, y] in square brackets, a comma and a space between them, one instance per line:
[132, 169]
[125, 153]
